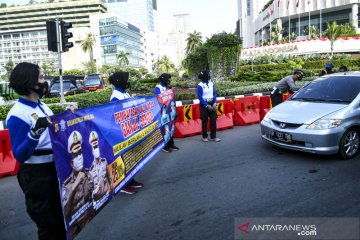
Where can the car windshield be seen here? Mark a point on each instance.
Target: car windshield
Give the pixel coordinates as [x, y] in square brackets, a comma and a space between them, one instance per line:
[92, 81]
[336, 89]
[67, 86]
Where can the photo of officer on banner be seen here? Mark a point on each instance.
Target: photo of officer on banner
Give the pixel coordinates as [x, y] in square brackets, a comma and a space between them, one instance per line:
[77, 188]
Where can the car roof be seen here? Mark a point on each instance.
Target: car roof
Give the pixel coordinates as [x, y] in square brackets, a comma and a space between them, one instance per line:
[348, 73]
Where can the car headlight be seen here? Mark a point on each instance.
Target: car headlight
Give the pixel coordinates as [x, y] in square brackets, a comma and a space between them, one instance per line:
[324, 124]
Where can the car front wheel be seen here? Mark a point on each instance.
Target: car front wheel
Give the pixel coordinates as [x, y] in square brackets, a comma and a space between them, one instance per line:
[349, 144]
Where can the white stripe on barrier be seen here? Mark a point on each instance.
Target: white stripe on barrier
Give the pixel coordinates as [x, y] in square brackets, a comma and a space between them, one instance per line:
[239, 96]
[257, 94]
[178, 103]
[220, 98]
[196, 101]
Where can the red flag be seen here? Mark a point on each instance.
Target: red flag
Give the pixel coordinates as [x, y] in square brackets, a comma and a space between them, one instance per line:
[278, 3]
[270, 10]
[288, 5]
[297, 3]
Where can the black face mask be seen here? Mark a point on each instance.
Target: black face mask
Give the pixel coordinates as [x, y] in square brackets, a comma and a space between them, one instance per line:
[41, 90]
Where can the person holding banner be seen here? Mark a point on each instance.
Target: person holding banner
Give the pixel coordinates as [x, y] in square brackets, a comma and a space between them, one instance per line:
[159, 89]
[120, 81]
[27, 122]
[207, 96]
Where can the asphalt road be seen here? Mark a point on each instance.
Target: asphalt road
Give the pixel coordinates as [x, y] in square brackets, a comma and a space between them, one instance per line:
[197, 192]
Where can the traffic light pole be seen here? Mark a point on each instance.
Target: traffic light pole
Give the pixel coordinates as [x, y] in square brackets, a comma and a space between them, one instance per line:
[62, 99]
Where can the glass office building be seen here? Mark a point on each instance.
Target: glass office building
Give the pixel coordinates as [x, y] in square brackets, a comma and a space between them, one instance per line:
[116, 35]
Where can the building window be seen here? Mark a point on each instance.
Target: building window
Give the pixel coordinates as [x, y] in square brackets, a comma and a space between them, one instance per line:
[248, 7]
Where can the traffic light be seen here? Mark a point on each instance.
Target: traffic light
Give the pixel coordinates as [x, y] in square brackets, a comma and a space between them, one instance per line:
[65, 35]
[51, 35]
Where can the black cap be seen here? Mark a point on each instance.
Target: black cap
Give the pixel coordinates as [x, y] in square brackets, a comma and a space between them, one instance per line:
[165, 78]
[119, 79]
[204, 75]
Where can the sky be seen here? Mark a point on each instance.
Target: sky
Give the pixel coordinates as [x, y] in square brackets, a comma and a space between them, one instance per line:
[206, 16]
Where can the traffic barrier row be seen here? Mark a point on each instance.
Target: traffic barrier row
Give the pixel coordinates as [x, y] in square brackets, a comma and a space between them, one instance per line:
[8, 164]
[240, 111]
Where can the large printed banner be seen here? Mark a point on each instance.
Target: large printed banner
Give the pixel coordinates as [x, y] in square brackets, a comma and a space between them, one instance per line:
[98, 150]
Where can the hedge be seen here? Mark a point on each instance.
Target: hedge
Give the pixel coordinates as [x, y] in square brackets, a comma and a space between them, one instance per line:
[351, 64]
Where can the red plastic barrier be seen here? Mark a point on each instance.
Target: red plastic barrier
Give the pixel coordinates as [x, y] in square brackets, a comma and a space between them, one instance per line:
[286, 96]
[265, 106]
[185, 127]
[246, 111]
[8, 164]
[225, 118]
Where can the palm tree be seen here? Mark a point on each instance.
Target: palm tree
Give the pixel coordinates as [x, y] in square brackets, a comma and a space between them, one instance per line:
[347, 29]
[314, 31]
[193, 41]
[332, 32]
[122, 58]
[88, 45]
[276, 33]
[163, 65]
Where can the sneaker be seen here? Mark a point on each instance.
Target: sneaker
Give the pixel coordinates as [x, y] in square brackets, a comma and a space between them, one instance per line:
[135, 184]
[166, 150]
[215, 139]
[174, 148]
[128, 190]
[205, 140]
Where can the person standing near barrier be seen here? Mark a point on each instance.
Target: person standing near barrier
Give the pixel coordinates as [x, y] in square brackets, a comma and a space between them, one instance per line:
[120, 81]
[287, 84]
[207, 96]
[328, 69]
[165, 80]
[27, 122]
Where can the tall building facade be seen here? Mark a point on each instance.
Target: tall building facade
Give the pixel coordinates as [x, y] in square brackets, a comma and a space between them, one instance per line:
[144, 14]
[176, 39]
[23, 30]
[141, 12]
[293, 16]
[115, 35]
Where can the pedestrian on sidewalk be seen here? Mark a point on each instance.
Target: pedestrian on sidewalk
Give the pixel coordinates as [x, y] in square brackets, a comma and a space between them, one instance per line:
[165, 80]
[27, 122]
[120, 81]
[287, 84]
[207, 96]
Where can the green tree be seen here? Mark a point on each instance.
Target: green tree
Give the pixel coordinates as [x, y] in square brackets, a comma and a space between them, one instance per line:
[122, 58]
[3, 5]
[293, 36]
[163, 65]
[223, 53]
[347, 29]
[143, 71]
[48, 68]
[87, 45]
[314, 31]
[332, 32]
[196, 61]
[276, 33]
[9, 66]
[76, 72]
[89, 67]
[193, 41]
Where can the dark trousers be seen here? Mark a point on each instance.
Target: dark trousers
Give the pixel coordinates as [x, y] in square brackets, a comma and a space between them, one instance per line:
[276, 99]
[169, 144]
[204, 115]
[40, 185]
